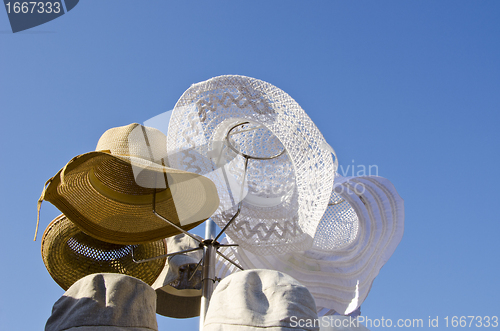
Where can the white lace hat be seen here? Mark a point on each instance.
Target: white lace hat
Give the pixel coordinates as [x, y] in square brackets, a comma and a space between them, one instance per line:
[220, 124]
[358, 233]
[256, 300]
[106, 302]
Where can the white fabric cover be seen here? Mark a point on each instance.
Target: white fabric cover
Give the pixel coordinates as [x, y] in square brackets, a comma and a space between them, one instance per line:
[340, 276]
[341, 323]
[107, 302]
[283, 198]
[254, 300]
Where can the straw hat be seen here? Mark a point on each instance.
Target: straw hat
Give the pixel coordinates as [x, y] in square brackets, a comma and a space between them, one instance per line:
[109, 193]
[69, 255]
[357, 235]
[216, 122]
[105, 302]
[178, 288]
[256, 300]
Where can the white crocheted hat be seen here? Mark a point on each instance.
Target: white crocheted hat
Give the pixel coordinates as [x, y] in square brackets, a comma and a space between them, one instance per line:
[219, 124]
[259, 300]
[360, 230]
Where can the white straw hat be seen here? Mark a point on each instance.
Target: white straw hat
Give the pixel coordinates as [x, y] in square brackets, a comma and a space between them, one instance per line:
[178, 290]
[109, 193]
[256, 300]
[357, 235]
[106, 302]
[217, 122]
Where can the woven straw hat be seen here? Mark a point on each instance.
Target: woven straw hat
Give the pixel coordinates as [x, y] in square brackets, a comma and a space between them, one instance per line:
[105, 302]
[109, 193]
[178, 290]
[216, 122]
[359, 232]
[69, 255]
[256, 300]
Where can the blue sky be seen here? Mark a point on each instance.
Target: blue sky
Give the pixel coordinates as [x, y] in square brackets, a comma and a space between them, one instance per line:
[409, 86]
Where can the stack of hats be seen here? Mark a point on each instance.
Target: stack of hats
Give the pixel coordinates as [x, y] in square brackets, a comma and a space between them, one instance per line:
[242, 152]
[109, 199]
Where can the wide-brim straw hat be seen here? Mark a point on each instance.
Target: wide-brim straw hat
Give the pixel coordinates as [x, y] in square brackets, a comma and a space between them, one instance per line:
[105, 302]
[109, 193]
[359, 232]
[69, 255]
[216, 121]
[257, 300]
[178, 288]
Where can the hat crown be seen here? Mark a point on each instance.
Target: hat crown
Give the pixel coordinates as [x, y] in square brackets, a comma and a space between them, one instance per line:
[259, 299]
[135, 140]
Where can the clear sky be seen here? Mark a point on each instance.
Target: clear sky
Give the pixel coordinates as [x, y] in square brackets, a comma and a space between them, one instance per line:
[412, 87]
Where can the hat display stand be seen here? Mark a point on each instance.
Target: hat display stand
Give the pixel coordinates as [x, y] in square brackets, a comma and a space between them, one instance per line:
[210, 245]
[242, 155]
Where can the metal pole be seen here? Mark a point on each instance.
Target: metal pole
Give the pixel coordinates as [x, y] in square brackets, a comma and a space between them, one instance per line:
[208, 272]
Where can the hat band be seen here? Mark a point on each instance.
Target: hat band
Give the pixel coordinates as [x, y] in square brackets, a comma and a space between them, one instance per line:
[181, 293]
[142, 199]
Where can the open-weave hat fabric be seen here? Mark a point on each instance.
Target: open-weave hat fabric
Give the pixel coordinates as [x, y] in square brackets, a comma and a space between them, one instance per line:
[105, 302]
[357, 235]
[284, 197]
[256, 300]
[109, 193]
[69, 255]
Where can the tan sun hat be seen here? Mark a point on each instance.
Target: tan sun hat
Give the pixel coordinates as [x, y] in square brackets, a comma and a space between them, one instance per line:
[105, 302]
[109, 193]
[359, 232]
[69, 255]
[178, 288]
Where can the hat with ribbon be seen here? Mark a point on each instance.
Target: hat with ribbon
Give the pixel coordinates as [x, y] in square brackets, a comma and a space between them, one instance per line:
[178, 288]
[69, 255]
[105, 302]
[358, 233]
[260, 148]
[256, 300]
[124, 193]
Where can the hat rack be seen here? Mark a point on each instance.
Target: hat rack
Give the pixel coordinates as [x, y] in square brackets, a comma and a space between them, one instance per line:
[210, 245]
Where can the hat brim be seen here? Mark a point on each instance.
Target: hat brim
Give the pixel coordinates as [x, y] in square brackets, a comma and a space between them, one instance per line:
[69, 255]
[341, 279]
[111, 197]
[175, 303]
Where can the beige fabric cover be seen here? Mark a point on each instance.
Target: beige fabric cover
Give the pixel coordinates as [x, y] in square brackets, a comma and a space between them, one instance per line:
[177, 297]
[259, 299]
[105, 302]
